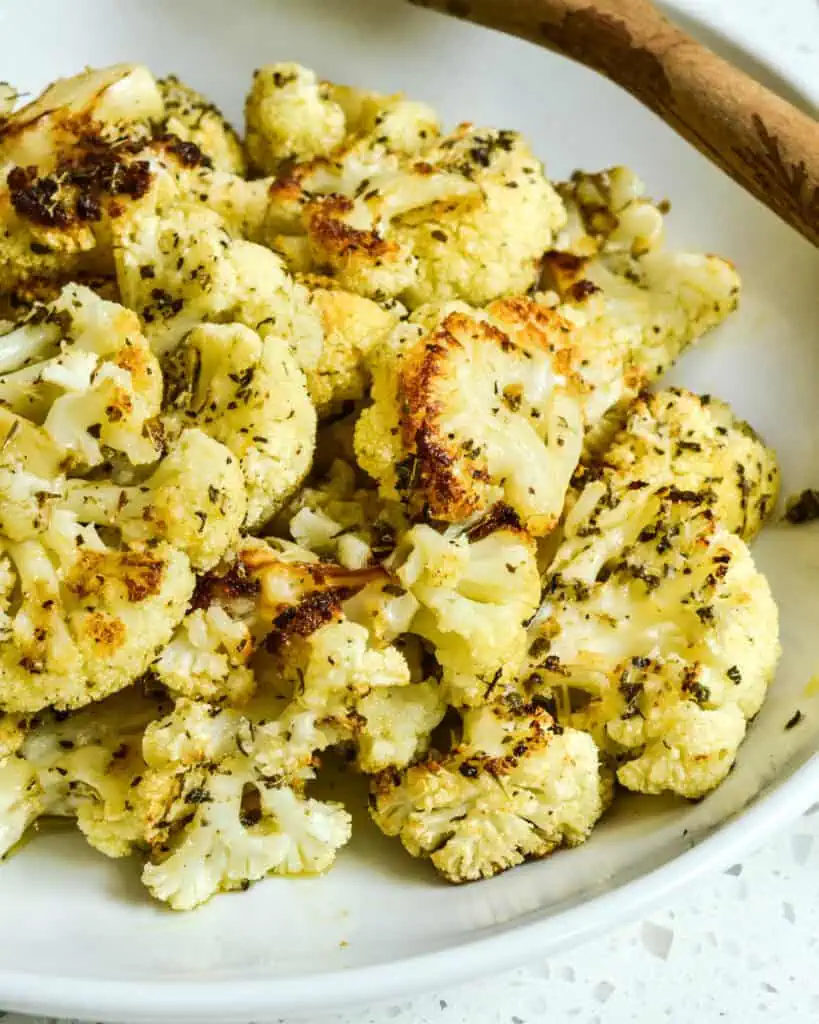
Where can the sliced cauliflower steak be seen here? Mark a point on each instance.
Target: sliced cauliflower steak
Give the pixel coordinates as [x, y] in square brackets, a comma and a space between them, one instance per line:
[478, 409]
[517, 786]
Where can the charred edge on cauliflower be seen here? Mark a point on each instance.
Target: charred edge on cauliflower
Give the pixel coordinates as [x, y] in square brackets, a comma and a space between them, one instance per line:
[94, 171]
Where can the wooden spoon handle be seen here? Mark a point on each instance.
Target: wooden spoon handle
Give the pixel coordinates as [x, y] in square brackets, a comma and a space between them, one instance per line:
[765, 144]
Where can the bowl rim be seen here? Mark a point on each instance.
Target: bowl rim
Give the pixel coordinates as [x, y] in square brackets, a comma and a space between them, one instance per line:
[512, 944]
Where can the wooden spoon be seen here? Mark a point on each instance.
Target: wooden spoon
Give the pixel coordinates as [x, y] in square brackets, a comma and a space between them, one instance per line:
[765, 144]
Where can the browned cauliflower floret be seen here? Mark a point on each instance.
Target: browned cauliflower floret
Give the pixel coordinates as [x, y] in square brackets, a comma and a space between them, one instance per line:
[475, 408]
[468, 219]
[248, 393]
[81, 367]
[192, 118]
[657, 634]
[79, 620]
[516, 786]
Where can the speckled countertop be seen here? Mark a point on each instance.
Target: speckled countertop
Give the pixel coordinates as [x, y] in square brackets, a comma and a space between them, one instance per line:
[739, 947]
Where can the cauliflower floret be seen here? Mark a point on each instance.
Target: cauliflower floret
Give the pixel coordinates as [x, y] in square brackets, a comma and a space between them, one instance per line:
[192, 118]
[227, 806]
[79, 620]
[477, 590]
[469, 220]
[633, 306]
[111, 99]
[488, 246]
[289, 115]
[696, 443]
[248, 393]
[180, 268]
[657, 633]
[195, 500]
[517, 786]
[475, 408]
[31, 468]
[354, 329]
[84, 766]
[81, 367]
[292, 117]
[207, 658]
[360, 695]
[335, 516]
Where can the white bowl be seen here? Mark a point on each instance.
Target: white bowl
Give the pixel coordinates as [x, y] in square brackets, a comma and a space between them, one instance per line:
[80, 937]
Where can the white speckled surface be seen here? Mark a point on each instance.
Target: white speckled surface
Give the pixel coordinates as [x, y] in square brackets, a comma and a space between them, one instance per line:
[739, 947]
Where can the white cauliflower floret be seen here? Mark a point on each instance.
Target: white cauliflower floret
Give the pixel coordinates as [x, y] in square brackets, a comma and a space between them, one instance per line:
[289, 115]
[192, 118]
[657, 633]
[696, 443]
[248, 393]
[476, 590]
[633, 306]
[113, 99]
[31, 468]
[65, 161]
[354, 329]
[81, 367]
[517, 786]
[85, 766]
[292, 117]
[359, 694]
[81, 620]
[227, 803]
[181, 267]
[207, 658]
[475, 408]
[195, 499]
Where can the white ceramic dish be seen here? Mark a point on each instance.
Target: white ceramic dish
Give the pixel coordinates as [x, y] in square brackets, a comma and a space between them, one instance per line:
[79, 936]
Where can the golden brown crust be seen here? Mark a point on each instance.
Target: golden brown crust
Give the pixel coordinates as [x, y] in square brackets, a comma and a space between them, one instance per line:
[140, 573]
[106, 632]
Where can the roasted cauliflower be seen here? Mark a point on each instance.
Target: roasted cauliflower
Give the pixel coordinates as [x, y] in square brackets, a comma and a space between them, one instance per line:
[225, 803]
[80, 620]
[468, 218]
[476, 589]
[188, 116]
[474, 407]
[86, 765]
[247, 392]
[632, 305]
[292, 117]
[657, 633]
[516, 786]
[183, 268]
[81, 367]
